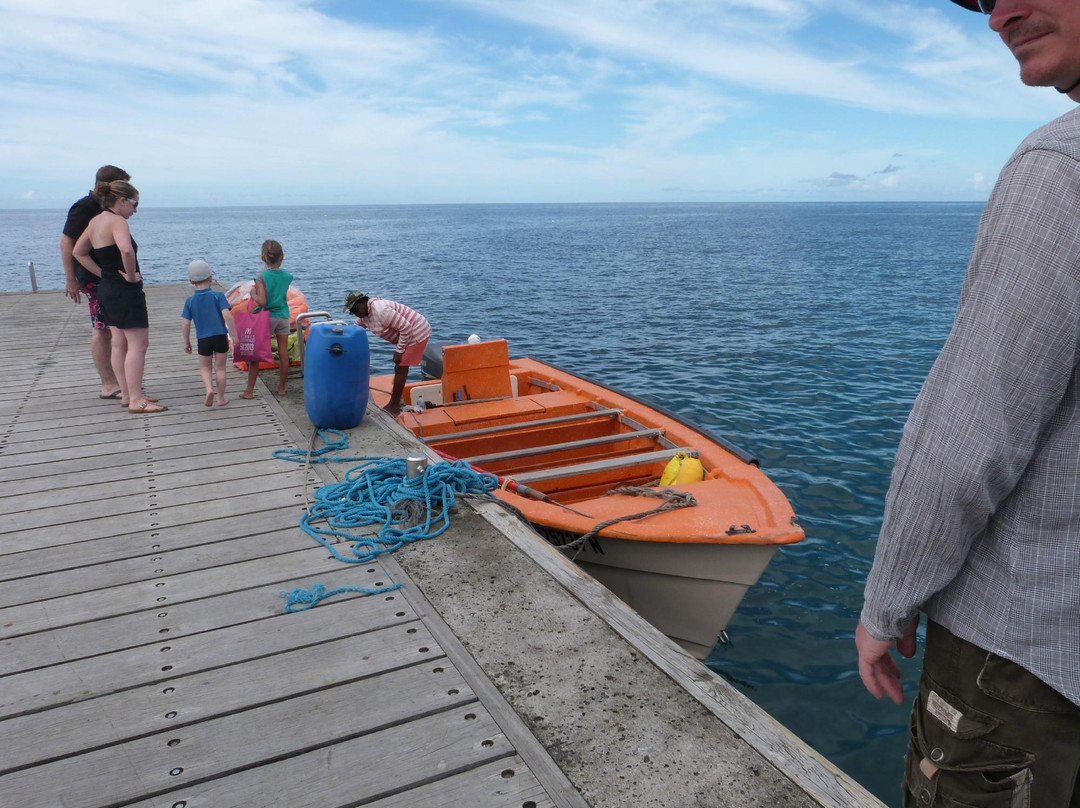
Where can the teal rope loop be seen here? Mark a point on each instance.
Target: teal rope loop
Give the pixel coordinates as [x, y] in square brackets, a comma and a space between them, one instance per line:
[378, 492]
[317, 456]
[300, 599]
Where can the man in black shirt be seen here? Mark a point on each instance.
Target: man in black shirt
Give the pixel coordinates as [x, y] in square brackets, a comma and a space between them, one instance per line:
[80, 282]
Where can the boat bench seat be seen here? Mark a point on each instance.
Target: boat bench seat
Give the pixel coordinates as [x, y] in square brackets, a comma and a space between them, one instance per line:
[626, 461]
[551, 448]
[515, 426]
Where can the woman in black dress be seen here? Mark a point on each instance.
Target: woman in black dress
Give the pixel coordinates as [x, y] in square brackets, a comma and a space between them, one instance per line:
[107, 250]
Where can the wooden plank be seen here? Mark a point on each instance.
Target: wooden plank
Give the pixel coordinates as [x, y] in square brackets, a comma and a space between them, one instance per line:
[63, 582]
[626, 461]
[251, 468]
[143, 495]
[134, 439]
[237, 439]
[67, 644]
[42, 560]
[72, 455]
[80, 485]
[352, 772]
[86, 427]
[49, 613]
[506, 783]
[95, 676]
[132, 435]
[148, 526]
[114, 718]
[361, 711]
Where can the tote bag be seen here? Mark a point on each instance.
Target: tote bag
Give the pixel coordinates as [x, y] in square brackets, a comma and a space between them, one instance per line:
[252, 336]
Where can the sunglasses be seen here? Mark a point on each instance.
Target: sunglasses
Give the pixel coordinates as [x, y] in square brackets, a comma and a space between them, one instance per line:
[134, 202]
[986, 6]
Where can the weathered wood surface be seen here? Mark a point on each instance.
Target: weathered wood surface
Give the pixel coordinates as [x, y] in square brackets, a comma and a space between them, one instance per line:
[145, 657]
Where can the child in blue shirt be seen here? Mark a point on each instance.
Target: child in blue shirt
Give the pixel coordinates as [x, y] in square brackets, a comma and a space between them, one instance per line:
[214, 328]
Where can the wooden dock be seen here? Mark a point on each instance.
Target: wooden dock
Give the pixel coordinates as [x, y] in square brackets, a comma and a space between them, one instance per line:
[146, 658]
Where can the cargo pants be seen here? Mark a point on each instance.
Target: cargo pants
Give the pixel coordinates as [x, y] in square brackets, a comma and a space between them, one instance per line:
[987, 733]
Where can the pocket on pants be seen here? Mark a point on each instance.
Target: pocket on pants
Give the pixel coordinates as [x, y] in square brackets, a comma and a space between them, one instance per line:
[951, 763]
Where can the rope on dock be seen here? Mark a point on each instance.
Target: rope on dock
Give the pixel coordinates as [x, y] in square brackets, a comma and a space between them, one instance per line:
[321, 455]
[300, 599]
[378, 491]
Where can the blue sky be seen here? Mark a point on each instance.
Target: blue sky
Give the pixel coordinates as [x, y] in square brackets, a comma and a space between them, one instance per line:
[270, 102]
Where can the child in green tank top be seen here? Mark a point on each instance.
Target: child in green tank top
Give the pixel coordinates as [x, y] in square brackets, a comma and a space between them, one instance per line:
[271, 292]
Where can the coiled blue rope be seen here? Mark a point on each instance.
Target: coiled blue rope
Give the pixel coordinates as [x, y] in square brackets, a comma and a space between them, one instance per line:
[378, 492]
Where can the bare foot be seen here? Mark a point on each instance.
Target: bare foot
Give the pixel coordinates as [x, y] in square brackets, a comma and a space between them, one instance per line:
[221, 402]
[281, 391]
[209, 402]
[247, 395]
[393, 409]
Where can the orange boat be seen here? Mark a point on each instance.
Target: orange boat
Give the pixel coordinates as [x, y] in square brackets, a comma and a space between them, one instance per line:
[579, 459]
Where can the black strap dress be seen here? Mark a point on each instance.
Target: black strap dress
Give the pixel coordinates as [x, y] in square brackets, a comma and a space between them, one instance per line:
[123, 304]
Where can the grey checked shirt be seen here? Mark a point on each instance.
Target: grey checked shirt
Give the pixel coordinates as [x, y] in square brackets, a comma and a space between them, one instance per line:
[982, 520]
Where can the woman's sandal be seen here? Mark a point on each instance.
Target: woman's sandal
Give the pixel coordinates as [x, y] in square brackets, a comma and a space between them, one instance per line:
[147, 407]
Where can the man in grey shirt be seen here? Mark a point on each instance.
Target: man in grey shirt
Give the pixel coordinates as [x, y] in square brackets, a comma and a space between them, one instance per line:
[982, 520]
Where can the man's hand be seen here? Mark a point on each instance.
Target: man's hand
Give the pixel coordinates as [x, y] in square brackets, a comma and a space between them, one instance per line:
[877, 669]
[397, 357]
[74, 291]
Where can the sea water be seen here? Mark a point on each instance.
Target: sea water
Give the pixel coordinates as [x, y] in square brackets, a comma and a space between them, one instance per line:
[800, 332]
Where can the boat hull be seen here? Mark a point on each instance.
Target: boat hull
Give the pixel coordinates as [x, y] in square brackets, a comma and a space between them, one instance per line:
[688, 591]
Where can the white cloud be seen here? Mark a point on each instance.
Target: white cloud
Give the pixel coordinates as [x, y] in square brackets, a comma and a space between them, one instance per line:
[274, 100]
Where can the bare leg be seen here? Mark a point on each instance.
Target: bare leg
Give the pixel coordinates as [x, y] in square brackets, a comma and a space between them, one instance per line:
[206, 370]
[221, 362]
[283, 362]
[138, 341]
[101, 351]
[253, 376]
[118, 355]
[401, 375]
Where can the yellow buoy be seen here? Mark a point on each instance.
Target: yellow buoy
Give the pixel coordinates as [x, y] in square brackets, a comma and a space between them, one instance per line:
[682, 469]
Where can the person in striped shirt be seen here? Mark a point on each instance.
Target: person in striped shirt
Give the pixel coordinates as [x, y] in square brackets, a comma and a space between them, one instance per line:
[395, 322]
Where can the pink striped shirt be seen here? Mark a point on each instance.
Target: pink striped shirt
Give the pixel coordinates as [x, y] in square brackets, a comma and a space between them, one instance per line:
[395, 322]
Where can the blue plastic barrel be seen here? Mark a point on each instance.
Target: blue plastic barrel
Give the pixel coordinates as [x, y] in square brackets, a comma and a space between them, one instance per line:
[337, 369]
